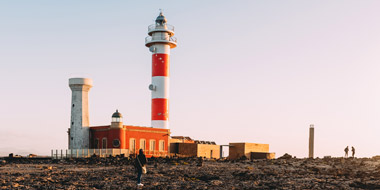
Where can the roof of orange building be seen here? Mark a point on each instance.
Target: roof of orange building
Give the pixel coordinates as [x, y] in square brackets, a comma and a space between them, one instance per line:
[129, 127]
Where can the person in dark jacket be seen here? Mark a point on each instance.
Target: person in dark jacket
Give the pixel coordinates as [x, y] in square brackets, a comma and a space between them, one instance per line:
[140, 162]
[346, 152]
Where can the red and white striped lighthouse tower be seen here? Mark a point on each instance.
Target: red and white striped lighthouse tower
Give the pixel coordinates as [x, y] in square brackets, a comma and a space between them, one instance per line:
[160, 41]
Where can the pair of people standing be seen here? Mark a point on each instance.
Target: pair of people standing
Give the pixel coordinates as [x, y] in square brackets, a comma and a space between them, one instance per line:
[352, 150]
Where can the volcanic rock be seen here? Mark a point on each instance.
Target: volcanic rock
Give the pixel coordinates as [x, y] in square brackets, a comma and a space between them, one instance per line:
[183, 173]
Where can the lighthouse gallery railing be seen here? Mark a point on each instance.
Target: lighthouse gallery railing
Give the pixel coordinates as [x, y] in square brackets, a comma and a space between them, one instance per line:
[160, 38]
[155, 27]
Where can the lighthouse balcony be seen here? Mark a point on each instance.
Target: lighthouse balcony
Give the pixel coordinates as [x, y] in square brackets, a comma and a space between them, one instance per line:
[161, 28]
[172, 41]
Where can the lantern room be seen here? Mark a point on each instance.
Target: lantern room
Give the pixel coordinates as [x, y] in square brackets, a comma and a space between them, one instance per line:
[117, 117]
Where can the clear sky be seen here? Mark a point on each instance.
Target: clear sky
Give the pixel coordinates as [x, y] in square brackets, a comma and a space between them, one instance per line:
[254, 71]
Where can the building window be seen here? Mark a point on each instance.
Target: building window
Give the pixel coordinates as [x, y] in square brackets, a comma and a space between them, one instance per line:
[132, 145]
[143, 144]
[96, 144]
[152, 145]
[161, 146]
[116, 143]
[104, 143]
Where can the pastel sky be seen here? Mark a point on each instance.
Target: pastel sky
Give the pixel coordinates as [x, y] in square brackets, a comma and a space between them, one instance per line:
[243, 71]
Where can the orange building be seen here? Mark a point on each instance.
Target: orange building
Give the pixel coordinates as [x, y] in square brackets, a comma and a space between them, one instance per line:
[154, 141]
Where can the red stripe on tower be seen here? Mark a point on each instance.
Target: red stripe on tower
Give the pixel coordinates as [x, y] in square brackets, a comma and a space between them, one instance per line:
[160, 109]
[160, 65]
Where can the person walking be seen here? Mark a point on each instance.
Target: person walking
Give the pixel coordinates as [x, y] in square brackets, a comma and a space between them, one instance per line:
[353, 151]
[140, 165]
[346, 151]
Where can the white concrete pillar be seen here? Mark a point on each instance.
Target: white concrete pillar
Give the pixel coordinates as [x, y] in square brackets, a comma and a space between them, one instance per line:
[79, 126]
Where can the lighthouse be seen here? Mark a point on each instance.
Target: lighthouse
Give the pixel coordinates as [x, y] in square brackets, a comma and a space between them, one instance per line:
[160, 40]
[79, 127]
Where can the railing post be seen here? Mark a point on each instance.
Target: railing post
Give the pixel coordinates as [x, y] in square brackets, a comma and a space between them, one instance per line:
[66, 153]
[61, 153]
[56, 153]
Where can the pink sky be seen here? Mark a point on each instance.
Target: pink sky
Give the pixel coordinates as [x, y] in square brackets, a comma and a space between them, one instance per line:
[254, 71]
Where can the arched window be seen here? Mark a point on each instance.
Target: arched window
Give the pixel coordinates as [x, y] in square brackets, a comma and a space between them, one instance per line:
[143, 144]
[161, 145]
[104, 143]
[96, 143]
[132, 145]
[152, 145]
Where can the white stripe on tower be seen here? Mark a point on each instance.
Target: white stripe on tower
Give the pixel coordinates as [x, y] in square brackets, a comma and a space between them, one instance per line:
[159, 42]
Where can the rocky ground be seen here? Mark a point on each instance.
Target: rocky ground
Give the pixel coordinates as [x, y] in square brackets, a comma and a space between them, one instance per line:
[118, 173]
